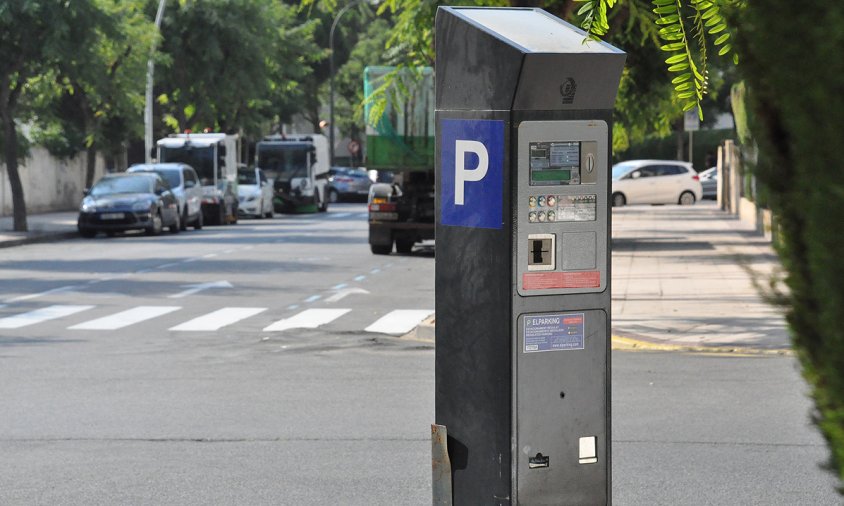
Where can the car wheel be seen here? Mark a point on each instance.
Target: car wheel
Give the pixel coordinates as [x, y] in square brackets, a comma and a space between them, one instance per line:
[381, 249]
[197, 223]
[333, 196]
[184, 221]
[687, 198]
[157, 225]
[87, 233]
[176, 227]
[618, 199]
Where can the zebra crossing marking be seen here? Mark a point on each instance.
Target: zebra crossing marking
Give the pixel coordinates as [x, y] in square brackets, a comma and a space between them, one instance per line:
[308, 319]
[126, 318]
[218, 319]
[40, 315]
[400, 321]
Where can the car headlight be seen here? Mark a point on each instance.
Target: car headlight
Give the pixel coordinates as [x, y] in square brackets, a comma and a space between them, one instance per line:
[88, 205]
[303, 183]
[140, 206]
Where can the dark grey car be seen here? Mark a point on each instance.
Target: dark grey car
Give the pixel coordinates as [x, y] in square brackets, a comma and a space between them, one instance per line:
[348, 183]
[121, 202]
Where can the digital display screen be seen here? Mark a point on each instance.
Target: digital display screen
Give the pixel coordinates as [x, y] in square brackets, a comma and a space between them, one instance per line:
[554, 163]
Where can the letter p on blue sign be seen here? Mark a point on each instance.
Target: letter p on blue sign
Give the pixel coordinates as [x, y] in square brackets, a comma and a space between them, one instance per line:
[472, 173]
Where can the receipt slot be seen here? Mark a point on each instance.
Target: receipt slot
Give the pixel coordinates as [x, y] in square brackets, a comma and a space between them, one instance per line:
[524, 122]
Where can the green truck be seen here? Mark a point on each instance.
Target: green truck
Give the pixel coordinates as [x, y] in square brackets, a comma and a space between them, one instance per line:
[400, 146]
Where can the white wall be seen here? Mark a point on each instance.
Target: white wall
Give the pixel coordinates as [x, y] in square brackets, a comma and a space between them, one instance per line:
[49, 184]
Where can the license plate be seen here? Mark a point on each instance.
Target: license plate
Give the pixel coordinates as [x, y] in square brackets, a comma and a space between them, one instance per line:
[111, 216]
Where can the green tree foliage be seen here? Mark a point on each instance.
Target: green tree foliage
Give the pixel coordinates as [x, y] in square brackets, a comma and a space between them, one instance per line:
[37, 38]
[231, 64]
[791, 61]
[96, 100]
[368, 51]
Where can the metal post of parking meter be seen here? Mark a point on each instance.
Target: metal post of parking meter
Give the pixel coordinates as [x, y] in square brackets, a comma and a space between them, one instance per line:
[524, 123]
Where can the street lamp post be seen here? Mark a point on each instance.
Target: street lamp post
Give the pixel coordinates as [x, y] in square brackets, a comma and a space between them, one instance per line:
[331, 79]
[148, 98]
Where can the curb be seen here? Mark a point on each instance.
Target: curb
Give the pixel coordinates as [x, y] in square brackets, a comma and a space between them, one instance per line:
[40, 238]
[425, 331]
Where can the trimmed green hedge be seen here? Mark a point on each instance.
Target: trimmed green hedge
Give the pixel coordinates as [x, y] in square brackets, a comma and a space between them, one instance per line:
[791, 58]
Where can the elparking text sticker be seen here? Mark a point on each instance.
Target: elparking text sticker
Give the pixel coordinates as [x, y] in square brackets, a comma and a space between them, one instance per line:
[553, 332]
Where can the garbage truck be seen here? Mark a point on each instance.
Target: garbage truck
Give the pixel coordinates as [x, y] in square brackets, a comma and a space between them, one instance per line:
[400, 146]
[214, 157]
[298, 166]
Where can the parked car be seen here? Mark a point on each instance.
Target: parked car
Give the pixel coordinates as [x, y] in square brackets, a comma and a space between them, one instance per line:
[709, 183]
[225, 214]
[348, 183]
[654, 182]
[120, 202]
[254, 193]
[185, 185]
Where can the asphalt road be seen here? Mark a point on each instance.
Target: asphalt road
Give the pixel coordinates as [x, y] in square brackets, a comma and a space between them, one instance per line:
[180, 370]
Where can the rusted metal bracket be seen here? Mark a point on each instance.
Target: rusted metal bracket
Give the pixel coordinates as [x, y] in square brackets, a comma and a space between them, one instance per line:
[440, 467]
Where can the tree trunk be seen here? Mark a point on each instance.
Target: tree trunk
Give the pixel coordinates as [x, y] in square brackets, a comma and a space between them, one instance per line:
[90, 165]
[10, 147]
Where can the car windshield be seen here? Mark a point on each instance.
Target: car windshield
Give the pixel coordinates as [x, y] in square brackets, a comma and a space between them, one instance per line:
[620, 169]
[171, 176]
[112, 185]
[246, 177]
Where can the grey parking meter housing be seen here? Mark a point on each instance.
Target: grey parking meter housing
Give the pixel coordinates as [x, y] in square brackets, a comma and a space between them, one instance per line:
[524, 122]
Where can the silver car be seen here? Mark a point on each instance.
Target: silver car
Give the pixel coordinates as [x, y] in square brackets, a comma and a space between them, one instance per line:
[185, 186]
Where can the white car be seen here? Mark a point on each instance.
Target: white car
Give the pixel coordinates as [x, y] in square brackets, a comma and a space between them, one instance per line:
[254, 193]
[185, 185]
[655, 182]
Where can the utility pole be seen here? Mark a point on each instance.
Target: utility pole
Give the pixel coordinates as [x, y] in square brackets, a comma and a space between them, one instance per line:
[150, 70]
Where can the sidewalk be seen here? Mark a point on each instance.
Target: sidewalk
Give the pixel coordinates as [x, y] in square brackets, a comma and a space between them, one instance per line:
[683, 276]
[42, 228]
[683, 280]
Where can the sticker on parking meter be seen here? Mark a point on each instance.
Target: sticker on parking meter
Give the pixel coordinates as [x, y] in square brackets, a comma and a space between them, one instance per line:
[553, 332]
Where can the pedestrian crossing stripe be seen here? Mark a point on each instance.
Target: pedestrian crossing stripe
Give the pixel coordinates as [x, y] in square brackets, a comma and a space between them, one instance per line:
[40, 315]
[126, 318]
[219, 318]
[308, 319]
[400, 321]
[395, 322]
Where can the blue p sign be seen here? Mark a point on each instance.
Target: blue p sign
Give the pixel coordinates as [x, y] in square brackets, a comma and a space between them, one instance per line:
[472, 172]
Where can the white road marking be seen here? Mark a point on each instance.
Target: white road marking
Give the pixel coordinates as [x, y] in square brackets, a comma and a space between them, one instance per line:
[308, 319]
[192, 289]
[341, 294]
[313, 298]
[125, 318]
[375, 271]
[400, 321]
[340, 215]
[360, 278]
[219, 319]
[40, 315]
[41, 294]
[340, 286]
[165, 266]
[209, 255]
[292, 306]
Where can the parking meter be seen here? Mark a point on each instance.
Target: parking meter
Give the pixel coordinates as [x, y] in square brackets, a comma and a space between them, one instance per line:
[524, 123]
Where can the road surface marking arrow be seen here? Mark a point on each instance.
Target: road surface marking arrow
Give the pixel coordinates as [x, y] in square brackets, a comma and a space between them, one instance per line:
[192, 289]
[340, 294]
